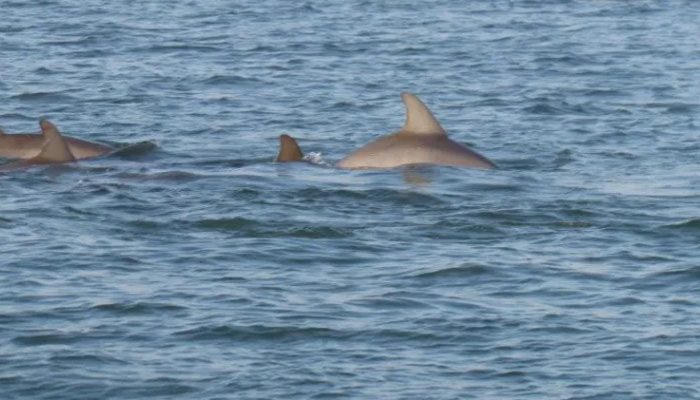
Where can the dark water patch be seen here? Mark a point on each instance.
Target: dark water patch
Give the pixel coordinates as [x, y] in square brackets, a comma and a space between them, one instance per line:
[690, 109]
[165, 176]
[342, 105]
[236, 223]
[560, 107]
[175, 48]
[47, 339]
[64, 358]
[568, 60]
[218, 80]
[605, 93]
[234, 162]
[254, 228]
[45, 71]
[392, 302]
[261, 332]
[139, 308]
[57, 97]
[148, 225]
[385, 196]
[463, 271]
[316, 232]
[691, 274]
[460, 229]
[78, 41]
[150, 389]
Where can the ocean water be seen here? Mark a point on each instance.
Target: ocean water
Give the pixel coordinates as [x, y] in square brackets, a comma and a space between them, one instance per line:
[190, 266]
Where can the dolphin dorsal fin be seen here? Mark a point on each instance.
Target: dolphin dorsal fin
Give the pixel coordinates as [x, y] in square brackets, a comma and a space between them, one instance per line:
[55, 148]
[289, 150]
[419, 120]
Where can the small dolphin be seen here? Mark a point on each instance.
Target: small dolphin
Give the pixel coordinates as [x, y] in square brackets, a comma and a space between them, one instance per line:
[28, 145]
[55, 149]
[289, 150]
[421, 141]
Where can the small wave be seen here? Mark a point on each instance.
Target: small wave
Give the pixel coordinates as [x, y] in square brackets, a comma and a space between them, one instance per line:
[691, 225]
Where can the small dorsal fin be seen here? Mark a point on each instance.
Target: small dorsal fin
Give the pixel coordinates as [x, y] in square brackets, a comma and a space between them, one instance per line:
[55, 148]
[289, 150]
[419, 120]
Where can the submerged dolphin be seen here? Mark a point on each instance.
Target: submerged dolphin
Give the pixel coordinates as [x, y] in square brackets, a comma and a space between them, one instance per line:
[28, 145]
[289, 150]
[55, 150]
[421, 141]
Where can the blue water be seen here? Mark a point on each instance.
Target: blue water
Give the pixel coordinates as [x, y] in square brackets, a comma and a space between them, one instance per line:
[192, 267]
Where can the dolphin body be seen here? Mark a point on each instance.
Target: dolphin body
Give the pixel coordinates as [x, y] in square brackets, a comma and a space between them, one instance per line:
[421, 140]
[55, 149]
[29, 145]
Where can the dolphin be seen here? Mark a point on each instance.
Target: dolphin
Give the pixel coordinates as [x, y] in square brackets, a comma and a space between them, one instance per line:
[421, 141]
[289, 150]
[55, 149]
[28, 145]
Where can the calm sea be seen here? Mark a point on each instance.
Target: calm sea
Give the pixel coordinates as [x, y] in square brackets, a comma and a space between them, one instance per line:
[190, 266]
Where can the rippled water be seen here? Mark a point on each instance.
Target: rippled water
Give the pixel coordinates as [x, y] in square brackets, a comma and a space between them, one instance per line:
[191, 266]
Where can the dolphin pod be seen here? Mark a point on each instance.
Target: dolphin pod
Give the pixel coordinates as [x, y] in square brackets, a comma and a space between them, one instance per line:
[421, 140]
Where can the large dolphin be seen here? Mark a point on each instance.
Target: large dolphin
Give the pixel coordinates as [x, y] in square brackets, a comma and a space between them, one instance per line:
[28, 145]
[55, 149]
[421, 141]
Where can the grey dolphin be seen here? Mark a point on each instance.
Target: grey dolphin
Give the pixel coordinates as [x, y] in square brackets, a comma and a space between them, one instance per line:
[421, 141]
[28, 145]
[55, 149]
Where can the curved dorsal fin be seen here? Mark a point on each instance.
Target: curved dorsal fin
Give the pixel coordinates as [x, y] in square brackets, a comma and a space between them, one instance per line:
[419, 120]
[289, 150]
[55, 148]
